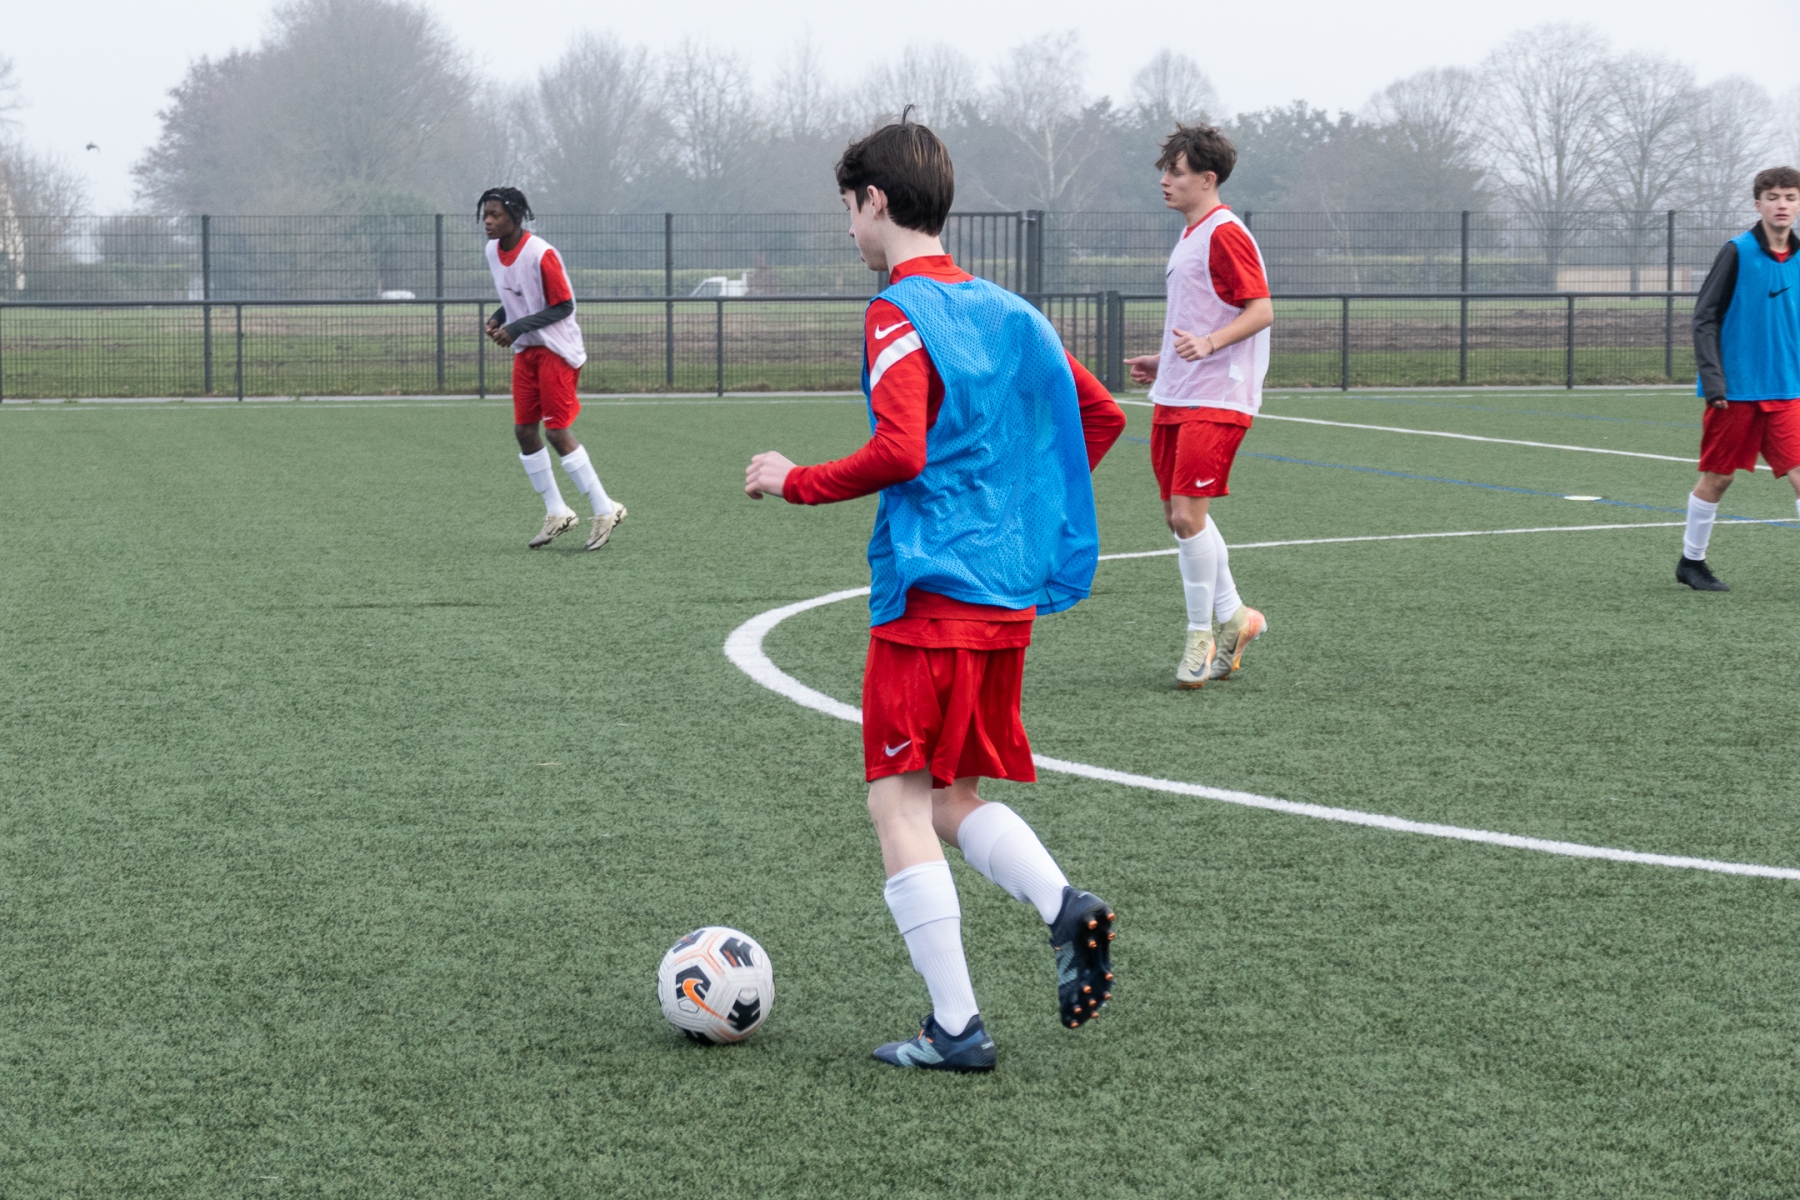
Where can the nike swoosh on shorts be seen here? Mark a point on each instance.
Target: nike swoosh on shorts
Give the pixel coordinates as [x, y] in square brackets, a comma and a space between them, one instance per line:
[881, 333]
[890, 751]
[1203, 482]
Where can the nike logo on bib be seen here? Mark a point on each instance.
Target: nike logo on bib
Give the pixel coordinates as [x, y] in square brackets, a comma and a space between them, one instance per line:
[890, 751]
[1772, 295]
[881, 333]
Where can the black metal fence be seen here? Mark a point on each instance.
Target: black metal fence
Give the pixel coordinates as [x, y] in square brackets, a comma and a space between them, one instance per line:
[55, 349]
[224, 258]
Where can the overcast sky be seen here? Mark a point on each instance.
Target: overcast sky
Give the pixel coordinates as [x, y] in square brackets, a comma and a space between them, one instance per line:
[97, 70]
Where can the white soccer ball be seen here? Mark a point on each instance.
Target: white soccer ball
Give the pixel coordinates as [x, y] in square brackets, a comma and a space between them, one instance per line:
[716, 985]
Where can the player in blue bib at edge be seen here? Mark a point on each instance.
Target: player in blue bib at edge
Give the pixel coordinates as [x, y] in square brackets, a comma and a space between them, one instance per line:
[984, 433]
[1747, 349]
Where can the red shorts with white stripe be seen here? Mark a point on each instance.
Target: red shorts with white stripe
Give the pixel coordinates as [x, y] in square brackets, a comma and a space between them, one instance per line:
[543, 387]
[1194, 457]
[1732, 437]
[951, 711]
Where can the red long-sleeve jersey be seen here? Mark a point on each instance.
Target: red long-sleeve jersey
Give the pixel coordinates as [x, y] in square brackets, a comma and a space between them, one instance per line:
[905, 393]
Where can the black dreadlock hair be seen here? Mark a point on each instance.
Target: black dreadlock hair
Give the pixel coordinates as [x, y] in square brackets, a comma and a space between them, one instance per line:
[511, 199]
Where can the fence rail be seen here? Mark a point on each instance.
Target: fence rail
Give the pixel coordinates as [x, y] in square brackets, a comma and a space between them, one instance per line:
[432, 256]
[56, 349]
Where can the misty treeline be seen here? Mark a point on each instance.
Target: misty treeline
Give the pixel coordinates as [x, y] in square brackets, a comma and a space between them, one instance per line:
[370, 106]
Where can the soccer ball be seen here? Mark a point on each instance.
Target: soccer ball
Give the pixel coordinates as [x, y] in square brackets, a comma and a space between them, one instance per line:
[716, 985]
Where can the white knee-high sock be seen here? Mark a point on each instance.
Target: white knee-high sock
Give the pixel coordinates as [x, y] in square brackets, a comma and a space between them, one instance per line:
[1700, 516]
[1225, 596]
[923, 901]
[537, 469]
[997, 842]
[1199, 559]
[581, 470]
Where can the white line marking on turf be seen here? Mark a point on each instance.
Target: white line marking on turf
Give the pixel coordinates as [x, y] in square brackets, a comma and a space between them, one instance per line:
[745, 650]
[1406, 537]
[1465, 437]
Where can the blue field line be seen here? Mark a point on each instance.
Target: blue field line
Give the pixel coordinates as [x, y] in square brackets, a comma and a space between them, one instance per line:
[1528, 412]
[1488, 487]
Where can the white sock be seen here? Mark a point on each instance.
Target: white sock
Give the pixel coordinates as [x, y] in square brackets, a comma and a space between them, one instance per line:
[923, 901]
[997, 842]
[1699, 526]
[581, 470]
[1198, 557]
[1225, 597]
[1797, 504]
[537, 469]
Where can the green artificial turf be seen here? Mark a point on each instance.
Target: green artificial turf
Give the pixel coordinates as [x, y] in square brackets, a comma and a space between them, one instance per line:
[340, 836]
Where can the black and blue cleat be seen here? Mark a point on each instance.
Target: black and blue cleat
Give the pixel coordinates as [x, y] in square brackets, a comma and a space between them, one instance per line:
[1082, 937]
[935, 1050]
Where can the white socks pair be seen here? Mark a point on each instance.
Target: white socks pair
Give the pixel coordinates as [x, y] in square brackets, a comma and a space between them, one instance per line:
[1206, 577]
[581, 471]
[997, 842]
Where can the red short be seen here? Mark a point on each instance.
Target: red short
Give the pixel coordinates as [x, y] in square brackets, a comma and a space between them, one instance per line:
[543, 388]
[1731, 437]
[1193, 457]
[953, 712]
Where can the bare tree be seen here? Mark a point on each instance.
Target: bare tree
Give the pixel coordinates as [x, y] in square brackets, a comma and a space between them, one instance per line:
[40, 198]
[1545, 94]
[1787, 116]
[1038, 100]
[600, 124]
[1646, 124]
[347, 102]
[712, 106]
[1171, 87]
[1734, 136]
[804, 103]
[11, 98]
[937, 80]
[1435, 113]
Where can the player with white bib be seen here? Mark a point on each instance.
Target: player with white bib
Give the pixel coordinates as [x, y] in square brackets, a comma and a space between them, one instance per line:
[1207, 387]
[537, 319]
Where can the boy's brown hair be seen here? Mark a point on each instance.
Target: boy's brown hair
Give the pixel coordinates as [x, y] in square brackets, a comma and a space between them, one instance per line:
[1204, 146]
[1774, 177]
[912, 168]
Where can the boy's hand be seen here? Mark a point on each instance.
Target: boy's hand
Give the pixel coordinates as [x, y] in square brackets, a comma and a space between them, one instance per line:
[498, 334]
[1719, 403]
[765, 475]
[1193, 346]
[1143, 367]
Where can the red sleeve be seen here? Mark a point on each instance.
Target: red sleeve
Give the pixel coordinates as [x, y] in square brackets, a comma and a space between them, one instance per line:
[1237, 273]
[903, 380]
[556, 284]
[1102, 420]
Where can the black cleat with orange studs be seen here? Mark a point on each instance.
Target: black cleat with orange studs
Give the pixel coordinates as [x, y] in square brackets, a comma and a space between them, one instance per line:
[1082, 937]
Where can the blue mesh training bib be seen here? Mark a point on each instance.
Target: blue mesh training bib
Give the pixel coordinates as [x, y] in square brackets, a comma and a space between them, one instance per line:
[1003, 513]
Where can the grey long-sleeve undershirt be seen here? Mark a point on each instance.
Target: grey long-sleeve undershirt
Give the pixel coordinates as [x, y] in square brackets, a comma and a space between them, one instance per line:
[536, 320]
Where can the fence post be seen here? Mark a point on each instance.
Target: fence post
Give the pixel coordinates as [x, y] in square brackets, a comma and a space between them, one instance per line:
[438, 254]
[1569, 362]
[719, 341]
[240, 351]
[206, 353]
[669, 304]
[1344, 345]
[480, 351]
[1115, 340]
[2, 354]
[1462, 323]
[1034, 251]
[1669, 304]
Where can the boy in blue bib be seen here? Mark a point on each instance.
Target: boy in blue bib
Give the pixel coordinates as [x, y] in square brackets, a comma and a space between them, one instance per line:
[984, 432]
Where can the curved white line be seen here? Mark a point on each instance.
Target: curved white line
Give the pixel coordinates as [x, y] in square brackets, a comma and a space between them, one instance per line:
[744, 649]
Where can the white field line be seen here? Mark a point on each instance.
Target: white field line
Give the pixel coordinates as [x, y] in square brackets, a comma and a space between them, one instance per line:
[744, 647]
[1406, 537]
[1467, 437]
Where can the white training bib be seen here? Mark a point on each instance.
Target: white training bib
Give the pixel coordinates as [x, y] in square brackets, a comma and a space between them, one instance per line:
[1229, 378]
[521, 288]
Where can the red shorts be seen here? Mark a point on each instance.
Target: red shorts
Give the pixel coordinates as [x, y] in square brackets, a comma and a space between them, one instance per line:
[1193, 457]
[544, 388]
[951, 711]
[1731, 437]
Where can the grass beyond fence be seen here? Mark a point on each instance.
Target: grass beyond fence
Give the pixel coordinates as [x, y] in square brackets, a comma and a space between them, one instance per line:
[761, 344]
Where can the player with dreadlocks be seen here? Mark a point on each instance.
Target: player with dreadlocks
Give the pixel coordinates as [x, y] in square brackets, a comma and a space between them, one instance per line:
[537, 319]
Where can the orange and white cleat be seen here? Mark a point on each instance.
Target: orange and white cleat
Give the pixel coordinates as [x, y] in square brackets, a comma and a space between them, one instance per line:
[1245, 626]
